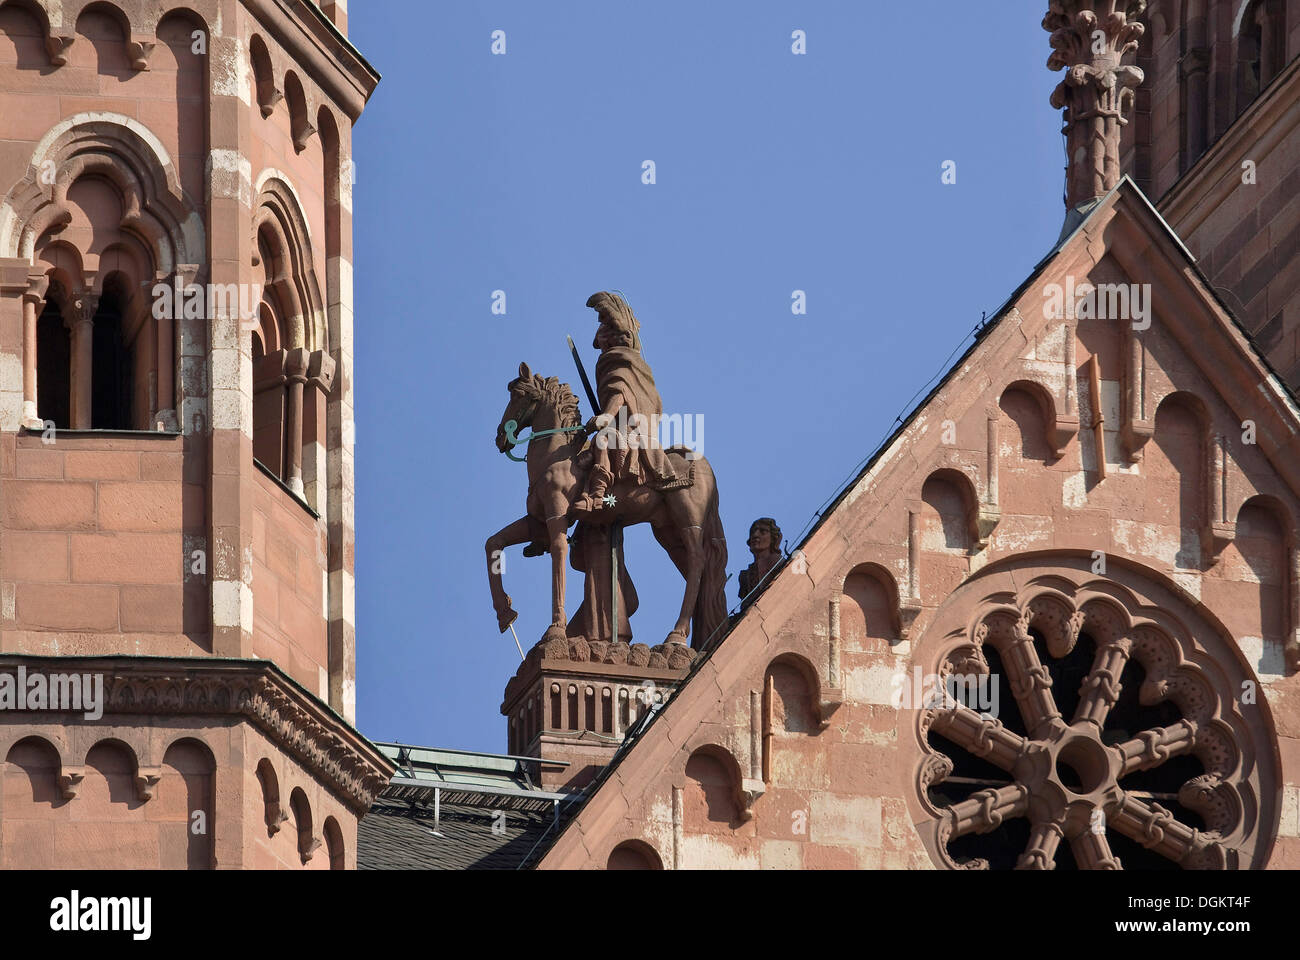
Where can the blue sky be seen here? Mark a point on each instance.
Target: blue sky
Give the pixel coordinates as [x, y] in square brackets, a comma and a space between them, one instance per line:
[774, 173]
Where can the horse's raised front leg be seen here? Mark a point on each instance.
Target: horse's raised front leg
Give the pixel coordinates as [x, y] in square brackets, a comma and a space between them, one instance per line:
[507, 536]
[557, 531]
[693, 544]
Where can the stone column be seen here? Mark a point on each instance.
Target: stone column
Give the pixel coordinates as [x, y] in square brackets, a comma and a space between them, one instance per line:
[341, 437]
[82, 326]
[315, 470]
[228, 358]
[164, 362]
[295, 369]
[32, 300]
[1268, 65]
[1292, 644]
[1089, 40]
[914, 553]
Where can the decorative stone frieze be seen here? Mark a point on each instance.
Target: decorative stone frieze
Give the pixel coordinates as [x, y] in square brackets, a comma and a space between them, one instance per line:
[254, 690]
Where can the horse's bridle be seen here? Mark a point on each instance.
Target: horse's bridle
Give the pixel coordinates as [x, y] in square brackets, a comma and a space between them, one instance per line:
[511, 426]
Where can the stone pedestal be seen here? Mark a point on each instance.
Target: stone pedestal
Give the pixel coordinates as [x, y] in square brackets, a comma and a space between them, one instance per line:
[573, 712]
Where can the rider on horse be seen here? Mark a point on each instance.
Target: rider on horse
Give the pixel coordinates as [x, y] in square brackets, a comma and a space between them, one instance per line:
[627, 444]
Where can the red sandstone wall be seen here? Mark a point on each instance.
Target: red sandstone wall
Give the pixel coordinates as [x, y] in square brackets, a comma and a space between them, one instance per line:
[94, 538]
[316, 810]
[289, 621]
[107, 823]
[167, 98]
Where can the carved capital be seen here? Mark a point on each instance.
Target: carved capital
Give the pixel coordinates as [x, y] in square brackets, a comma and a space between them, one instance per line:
[275, 818]
[270, 371]
[268, 100]
[84, 307]
[1218, 536]
[985, 521]
[908, 610]
[1061, 432]
[70, 781]
[1195, 61]
[37, 287]
[146, 781]
[312, 845]
[831, 699]
[320, 371]
[296, 364]
[56, 48]
[302, 136]
[750, 791]
[1089, 39]
[139, 48]
[1134, 435]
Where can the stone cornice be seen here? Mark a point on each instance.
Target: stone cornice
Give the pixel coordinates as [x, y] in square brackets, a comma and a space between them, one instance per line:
[317, 45]
[535, 669]
[253, 690]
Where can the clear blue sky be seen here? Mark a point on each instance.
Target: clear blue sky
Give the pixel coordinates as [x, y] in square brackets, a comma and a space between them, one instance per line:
[775, 173]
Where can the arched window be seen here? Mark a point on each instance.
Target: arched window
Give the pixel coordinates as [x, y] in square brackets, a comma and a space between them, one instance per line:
[114, 218]
[187, 798]
[307, 843]
[334, 844]
[53, 362]
[112, 377]
[633, 855]
[272, 811]
[1261, 48]
[293, 371]
[268, 95]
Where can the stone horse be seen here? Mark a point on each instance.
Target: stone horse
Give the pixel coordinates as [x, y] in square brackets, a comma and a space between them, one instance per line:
[685, 521]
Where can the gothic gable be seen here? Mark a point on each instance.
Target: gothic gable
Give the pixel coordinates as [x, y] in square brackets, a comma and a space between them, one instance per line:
[1092, 521]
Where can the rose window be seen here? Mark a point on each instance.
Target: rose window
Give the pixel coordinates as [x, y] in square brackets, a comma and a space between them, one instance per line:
[1100, 740]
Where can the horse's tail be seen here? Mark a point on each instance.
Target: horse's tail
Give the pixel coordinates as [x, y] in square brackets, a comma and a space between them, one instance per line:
[711, 603]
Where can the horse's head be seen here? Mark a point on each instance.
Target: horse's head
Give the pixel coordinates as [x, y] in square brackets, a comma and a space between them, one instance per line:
[524, 396]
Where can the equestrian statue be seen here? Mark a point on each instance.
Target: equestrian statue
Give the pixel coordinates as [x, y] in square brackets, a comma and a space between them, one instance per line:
[603, 475]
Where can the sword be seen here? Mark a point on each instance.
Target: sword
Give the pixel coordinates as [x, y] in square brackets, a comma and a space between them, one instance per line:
[591, 394]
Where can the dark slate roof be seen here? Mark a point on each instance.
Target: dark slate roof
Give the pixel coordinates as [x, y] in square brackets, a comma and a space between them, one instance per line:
[456, 810]
[396, 836]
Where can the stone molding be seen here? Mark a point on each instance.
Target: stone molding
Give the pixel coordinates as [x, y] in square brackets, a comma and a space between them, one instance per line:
[252, 690]
[313, 42]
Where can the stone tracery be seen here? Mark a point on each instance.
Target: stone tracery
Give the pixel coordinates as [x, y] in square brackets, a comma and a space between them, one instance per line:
[1151, 713]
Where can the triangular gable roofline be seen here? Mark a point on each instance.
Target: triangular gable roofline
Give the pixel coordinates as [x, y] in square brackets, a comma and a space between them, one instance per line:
[1280, 402]
[1090, 212]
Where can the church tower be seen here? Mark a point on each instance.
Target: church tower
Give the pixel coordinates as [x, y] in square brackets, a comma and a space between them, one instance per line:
[1213, 142]
[176, 435]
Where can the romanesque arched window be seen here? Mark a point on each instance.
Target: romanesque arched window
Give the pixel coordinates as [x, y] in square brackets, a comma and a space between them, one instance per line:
[633, 855]
[115, 353]
[1261, 48]
[105, 224]
[53, 358]
[334, 844]
[293, 371]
